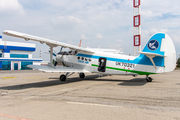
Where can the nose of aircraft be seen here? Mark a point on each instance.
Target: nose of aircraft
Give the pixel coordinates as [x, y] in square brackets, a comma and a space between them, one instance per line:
[59, 58]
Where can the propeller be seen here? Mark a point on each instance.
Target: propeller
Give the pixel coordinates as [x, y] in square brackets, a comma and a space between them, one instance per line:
[55, 63]
[55, 54]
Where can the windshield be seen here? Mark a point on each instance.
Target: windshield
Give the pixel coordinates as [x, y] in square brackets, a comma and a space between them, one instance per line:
[71, 52]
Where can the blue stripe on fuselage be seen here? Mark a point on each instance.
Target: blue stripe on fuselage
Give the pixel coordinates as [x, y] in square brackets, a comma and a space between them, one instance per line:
[141, 59]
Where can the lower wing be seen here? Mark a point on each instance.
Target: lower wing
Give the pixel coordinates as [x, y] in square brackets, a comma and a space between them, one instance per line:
[56, 69]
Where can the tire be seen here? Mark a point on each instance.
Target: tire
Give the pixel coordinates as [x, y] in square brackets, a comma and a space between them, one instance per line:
[149, 79]
[81, 75]
[62, 78]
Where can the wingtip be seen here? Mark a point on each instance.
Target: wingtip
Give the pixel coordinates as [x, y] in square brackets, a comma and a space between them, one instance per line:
[6, 31]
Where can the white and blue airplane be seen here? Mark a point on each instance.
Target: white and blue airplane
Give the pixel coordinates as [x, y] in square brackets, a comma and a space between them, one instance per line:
[158, 56]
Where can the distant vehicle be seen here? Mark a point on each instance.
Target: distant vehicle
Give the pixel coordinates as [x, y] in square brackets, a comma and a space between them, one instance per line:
[158, 56]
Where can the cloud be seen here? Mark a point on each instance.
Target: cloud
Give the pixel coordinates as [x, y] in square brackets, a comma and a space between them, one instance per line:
[11, 6]
[83, 36]
[157, 8]
[66, 22]
[99, 36]
[119, 40]
[70, 20]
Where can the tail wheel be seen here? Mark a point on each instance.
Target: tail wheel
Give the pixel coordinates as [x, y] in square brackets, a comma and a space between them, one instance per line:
[149, 79]
[81, 75]
[62, 78]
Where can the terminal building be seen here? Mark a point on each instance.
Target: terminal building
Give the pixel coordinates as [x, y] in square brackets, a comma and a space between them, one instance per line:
[17, 55]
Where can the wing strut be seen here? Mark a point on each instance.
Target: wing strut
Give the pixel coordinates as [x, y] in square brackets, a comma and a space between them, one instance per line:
[51, 56]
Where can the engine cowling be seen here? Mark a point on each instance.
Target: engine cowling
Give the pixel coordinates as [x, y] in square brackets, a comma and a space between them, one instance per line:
[59, 58]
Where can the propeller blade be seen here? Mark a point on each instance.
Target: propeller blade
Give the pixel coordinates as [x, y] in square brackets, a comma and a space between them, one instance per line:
[61, 48]
[55, 63]
[53, 53]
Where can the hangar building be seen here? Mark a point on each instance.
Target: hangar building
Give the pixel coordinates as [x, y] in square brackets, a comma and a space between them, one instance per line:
[17, 55]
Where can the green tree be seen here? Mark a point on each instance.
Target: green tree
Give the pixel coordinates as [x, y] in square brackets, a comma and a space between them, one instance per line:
[53, 61]
[178, 63]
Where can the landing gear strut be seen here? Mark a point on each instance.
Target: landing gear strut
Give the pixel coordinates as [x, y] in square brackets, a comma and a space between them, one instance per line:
[81, 75]
[148, 79]
[62, 78]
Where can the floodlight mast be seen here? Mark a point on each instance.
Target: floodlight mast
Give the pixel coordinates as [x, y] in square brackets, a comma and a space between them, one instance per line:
[137, 25]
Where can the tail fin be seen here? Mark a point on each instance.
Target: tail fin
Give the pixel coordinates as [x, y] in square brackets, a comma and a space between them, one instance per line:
[160, 47]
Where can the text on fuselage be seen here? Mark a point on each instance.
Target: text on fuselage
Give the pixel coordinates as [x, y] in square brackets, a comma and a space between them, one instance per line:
[125, 64]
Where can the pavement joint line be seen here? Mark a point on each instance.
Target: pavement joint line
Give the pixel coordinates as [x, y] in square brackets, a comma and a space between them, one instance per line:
[94, 104]
[13, 117]
[78, 87]
[61, 90]
[29, 97]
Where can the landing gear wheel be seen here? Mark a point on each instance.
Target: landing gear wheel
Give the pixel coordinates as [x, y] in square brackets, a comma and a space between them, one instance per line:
[149, 79]
[81, 75]
[62, 78]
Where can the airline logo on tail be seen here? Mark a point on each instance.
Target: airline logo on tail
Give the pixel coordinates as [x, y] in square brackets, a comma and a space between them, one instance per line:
[153, 45]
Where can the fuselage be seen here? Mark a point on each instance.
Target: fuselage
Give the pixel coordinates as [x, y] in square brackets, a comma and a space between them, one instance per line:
[110, 63]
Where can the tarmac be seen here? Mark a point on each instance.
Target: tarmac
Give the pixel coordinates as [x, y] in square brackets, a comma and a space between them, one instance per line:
[34, 95]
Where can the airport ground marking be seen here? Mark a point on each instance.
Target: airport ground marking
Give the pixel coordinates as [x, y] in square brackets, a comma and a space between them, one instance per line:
[33, 78]
[13, 117]
[8, 77]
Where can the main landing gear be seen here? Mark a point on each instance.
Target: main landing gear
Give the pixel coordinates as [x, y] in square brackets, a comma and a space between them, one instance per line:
[81, 75]
[63, 77]
[148, 79]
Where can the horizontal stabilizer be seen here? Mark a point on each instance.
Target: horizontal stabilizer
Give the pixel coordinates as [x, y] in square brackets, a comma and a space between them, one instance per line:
[151, 56]
[47, 68]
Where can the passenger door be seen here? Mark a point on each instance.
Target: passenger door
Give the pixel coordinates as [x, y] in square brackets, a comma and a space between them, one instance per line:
[102, 65]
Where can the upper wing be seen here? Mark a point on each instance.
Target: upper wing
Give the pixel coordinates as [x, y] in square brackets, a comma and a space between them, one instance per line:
[51, 43]
[56, 69]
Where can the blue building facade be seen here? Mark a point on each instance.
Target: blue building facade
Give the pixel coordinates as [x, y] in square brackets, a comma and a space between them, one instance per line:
[17, 55]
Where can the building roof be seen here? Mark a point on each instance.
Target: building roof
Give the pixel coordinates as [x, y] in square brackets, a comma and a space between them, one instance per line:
[8, 45]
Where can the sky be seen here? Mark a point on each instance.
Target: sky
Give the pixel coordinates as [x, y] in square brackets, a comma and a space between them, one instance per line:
[99, 23]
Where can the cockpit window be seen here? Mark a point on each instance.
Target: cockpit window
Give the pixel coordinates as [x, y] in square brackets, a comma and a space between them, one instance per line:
[60, 53]
[71, 52]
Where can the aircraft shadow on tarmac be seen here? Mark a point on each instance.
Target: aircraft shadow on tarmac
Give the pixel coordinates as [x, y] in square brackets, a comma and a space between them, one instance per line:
[55, 82]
